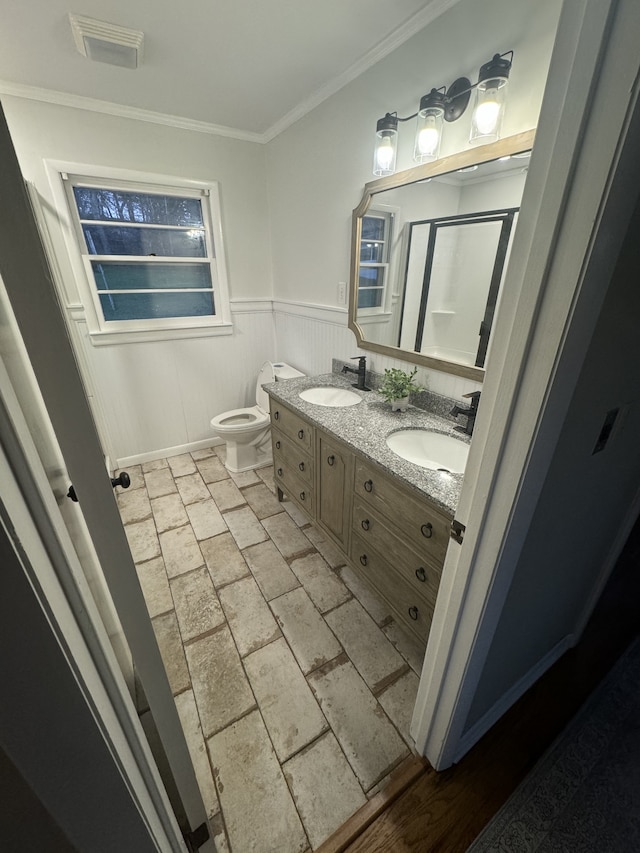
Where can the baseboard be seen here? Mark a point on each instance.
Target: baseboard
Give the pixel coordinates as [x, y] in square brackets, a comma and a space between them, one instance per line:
[138, 458]
[491, 717]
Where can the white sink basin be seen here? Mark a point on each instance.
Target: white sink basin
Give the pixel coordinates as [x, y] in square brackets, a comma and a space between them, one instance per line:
[430, 449]
[336, 397]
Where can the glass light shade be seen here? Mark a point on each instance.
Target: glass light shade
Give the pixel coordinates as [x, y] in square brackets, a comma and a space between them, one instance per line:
[428, 135]
[488, 110]
[384, 154]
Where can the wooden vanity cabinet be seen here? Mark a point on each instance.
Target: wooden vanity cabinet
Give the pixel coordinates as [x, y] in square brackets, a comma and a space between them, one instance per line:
[394, 539]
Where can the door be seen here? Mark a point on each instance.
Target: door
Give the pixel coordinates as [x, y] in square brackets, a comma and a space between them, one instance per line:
[50, 365]
[334, 488]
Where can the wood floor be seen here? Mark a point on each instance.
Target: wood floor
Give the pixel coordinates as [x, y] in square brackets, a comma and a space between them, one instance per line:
[446, 811]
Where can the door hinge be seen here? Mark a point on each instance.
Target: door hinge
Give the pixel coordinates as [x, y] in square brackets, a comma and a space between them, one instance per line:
[196, 837]
[457, 531]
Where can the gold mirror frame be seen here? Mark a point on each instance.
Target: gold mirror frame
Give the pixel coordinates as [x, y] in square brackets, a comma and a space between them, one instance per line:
[502, 148]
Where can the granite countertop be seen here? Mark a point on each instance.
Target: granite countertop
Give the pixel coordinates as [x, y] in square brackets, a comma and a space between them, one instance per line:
[365, 426]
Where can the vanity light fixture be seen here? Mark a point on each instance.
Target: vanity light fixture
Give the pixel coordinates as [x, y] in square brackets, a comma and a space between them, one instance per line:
[448, 105]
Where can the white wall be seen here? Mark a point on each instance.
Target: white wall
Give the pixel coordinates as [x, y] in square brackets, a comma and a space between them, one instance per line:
[158, 396]
[317, 168]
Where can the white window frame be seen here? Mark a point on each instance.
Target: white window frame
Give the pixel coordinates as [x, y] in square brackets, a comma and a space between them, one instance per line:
[108, 332]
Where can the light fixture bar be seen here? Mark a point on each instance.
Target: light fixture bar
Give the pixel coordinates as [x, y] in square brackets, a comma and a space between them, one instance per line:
[448, 105]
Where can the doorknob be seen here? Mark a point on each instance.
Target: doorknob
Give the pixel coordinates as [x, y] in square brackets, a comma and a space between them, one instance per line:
[123, 480]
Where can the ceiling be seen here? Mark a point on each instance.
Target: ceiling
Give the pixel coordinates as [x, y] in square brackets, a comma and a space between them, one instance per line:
[249, 68]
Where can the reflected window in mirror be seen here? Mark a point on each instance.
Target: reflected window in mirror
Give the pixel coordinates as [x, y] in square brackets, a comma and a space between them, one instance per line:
[375, 244]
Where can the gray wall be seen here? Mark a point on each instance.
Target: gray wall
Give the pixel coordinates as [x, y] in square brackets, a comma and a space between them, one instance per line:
[584, 499]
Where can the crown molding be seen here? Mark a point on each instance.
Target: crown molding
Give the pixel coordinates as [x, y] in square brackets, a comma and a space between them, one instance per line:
[412, 26]
[398, 37]
[80, 102]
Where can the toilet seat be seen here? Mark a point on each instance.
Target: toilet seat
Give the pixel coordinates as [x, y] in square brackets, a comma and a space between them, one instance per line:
[246, 431]
[237, 420]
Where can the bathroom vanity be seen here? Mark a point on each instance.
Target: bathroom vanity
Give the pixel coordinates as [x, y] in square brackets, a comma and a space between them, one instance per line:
[390, 518]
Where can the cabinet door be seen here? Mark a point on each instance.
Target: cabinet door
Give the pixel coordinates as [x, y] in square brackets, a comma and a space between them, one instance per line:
[334, 467]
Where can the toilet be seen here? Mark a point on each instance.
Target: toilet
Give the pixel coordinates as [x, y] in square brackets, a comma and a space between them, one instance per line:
[246, 431]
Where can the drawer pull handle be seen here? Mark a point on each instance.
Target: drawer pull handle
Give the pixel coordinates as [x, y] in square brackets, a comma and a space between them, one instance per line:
[331, 459]
[301, 466]
[413, 612]
[276, 415]
[421, 574]
[368, 486]
[300, 433]
[365, 524]
[277, 445]
[279, 472]
[427, 530]
[302, 496]
[364, 559]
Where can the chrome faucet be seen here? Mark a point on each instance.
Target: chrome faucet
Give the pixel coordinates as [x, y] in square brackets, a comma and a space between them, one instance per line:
[470, 413]
[360, 371]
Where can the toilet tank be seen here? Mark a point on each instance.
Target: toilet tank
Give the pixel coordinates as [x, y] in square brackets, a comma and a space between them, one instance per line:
[270, 371]
[282, 370]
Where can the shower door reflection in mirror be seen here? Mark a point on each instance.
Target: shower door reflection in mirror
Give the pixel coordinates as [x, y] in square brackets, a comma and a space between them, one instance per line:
[453, 272]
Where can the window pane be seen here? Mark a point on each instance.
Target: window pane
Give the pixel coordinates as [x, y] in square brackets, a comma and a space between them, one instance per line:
[372, 228]
[119, 206]
[155, 306]
[372, 253]
[370, 287]
[143, 276]
[371, 297]
[116, 240]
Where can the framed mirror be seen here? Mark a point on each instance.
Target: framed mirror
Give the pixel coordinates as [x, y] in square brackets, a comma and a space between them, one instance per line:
[429, 251]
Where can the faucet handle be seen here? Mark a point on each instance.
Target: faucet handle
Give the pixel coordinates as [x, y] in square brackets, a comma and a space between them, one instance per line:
[358, 358]
[472, 395]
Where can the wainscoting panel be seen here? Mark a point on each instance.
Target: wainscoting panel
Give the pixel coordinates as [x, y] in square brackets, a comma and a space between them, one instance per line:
[162, 394]
[159, 395]
[309, 336]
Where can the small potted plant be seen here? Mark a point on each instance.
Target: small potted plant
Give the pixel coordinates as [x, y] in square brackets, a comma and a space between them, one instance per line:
[396, 387]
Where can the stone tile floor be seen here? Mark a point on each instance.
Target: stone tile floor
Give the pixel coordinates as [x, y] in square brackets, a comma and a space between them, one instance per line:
[294, 686]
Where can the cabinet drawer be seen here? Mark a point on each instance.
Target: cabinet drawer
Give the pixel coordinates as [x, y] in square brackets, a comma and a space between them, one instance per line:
[286, 454]
[425, 527]
[412, 609]
[294, 427]
[294, 488]
[415, 568]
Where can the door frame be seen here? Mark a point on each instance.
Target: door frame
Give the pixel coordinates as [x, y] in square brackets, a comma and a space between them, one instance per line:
[69, 727]
[583, 166]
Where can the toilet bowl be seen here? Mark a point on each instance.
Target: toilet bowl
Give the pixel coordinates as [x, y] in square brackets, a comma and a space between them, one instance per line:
[246, 431]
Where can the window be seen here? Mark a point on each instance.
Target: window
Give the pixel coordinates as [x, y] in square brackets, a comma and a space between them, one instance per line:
[375, 239]
[149, 254]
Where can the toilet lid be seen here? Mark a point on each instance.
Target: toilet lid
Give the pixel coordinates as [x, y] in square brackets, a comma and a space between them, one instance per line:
[266, 375]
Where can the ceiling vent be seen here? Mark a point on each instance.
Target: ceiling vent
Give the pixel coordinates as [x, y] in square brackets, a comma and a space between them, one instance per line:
[105, 42]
